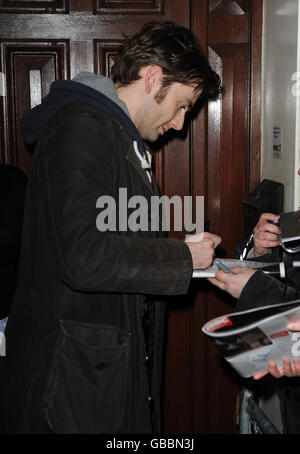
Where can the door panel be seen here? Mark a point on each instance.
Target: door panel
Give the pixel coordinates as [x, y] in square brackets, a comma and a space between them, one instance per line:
[30, 67]
[227, 136]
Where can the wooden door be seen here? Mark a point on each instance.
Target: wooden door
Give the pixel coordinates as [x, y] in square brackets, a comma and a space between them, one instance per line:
[222, 163]
[216, 156]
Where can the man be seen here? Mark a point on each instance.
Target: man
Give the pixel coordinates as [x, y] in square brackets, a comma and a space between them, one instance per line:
[85, 336]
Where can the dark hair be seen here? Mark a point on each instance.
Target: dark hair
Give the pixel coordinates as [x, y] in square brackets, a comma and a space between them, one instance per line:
[176, 50]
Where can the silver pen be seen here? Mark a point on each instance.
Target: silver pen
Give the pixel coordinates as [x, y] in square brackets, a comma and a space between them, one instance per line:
[222, 266]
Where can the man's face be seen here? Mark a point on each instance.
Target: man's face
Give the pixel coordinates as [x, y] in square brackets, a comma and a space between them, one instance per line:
[158, 118]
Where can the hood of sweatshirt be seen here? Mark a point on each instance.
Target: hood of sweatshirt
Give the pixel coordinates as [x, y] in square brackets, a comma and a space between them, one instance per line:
[93, 89]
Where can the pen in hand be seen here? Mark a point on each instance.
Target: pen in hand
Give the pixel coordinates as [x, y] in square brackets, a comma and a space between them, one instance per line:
[222, 267]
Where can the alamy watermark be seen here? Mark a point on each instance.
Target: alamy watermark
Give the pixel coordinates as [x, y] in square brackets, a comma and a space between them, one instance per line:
[295, 350]
[139, 214]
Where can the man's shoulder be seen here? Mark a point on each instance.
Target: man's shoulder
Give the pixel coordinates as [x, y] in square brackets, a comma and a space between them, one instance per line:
[81, 115]
[80, 109]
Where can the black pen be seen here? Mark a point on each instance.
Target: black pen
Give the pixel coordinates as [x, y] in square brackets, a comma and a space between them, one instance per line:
[222, 266]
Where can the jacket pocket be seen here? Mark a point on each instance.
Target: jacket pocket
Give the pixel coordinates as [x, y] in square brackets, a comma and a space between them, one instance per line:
[86, 386]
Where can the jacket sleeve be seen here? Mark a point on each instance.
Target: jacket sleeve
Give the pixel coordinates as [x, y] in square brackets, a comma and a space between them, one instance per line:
[79, 169]
[263, 290]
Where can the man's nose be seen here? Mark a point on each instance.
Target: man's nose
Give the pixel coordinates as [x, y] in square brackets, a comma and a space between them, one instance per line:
[178, 120]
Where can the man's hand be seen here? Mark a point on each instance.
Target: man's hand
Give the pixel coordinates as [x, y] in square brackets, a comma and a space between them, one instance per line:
[265, 234]
[290, 368]
[202, 247]
[232, 283]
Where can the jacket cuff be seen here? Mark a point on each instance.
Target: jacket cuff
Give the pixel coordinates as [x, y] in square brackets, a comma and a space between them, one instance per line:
[256, 293]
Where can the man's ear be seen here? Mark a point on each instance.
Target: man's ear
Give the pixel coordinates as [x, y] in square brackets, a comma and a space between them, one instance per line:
[153, 75]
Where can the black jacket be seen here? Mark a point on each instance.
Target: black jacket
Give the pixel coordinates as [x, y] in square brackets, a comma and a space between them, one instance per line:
[76, 356]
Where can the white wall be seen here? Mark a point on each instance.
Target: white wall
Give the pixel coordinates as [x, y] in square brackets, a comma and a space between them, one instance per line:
[280, 107]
